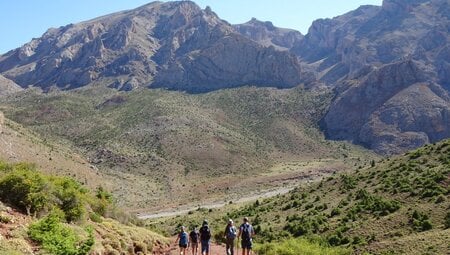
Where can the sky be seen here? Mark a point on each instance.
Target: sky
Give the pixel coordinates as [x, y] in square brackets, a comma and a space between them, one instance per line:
[22, 20]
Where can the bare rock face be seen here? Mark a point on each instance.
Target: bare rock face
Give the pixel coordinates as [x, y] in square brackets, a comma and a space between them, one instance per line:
[230, 62]
[174, 44]
[389, 66]
[373, 36]
[266, 34]
[390, 109]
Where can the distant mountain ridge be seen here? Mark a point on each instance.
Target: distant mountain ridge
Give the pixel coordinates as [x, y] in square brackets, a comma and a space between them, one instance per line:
[388, 65]
[265, 33]
[174, 45]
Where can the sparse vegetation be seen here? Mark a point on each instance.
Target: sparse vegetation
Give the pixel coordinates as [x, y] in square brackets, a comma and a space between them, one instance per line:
[378, 209]
[299, 246]
[157, 140]
[65, 216]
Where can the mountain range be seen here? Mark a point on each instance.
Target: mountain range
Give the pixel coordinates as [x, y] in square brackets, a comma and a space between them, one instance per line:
[387, 65]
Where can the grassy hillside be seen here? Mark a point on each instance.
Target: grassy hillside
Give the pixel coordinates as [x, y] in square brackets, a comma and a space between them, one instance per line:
[45, 214]
[399, 205]
[19, 144]
[176, 147]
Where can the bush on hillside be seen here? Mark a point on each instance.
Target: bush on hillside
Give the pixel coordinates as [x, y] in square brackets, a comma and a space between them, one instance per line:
[35, 193]
[27, 190]
[375, 204]
[420, 221]
[447, 220]
[299, 246]
[58, 239]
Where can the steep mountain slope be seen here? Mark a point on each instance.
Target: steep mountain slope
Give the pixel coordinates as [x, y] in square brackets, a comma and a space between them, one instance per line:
[390, 110]
[399, 205]
[372, 36]
[389, 66]
[178, 147]
[173, 45]
[8, 87]
[18, 144]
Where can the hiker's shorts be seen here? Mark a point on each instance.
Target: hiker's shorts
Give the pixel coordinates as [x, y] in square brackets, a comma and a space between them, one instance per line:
[205, 246]
[246, 244]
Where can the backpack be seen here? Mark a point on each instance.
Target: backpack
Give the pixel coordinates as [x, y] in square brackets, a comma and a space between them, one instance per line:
[194, 236]
[183, 238]
[246, 231]
[231, 232]
[205, 233]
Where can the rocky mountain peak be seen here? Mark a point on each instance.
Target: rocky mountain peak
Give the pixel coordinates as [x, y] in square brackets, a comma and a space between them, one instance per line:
[157, 42]
[266, 34]
[401, 6]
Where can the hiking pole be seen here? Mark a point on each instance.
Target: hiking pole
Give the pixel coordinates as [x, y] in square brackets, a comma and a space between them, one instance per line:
[237, 247]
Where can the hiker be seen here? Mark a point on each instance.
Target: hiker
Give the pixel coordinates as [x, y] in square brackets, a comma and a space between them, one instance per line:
[194, 237]
[246, 233]
[184, 241]
[205, 237]
[230, 235]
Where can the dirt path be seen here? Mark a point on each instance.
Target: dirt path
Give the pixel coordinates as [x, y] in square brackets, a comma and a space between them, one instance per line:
[215, 249]
[186, 209]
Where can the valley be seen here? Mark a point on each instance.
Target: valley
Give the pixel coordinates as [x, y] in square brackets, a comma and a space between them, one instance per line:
[118, 130]
[158, 144]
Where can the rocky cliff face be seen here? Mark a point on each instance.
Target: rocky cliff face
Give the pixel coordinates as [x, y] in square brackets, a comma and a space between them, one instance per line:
[389, 66]
[173, 45]
[267, 34]
[390, 109]
[374, 36]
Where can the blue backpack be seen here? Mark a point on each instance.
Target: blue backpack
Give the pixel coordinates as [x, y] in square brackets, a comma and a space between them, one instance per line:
[183, 238]
[231, 232]
[246, 232]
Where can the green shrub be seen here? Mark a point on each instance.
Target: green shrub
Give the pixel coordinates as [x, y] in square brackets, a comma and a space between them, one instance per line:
[299, 246]
[335, 211]
[5, 219]
[71, 198]
[375, 204]
[27, 190]
[58, 239]
[95, 217]
[348, 182]
[447, 220]
[32, 192]
[420, 221]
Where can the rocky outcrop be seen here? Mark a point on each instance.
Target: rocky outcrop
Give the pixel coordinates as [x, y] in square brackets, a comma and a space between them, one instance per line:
[266, 34]
[391, 109]
[373, 36]
[230, 62]
[379, 60]
[174, 45]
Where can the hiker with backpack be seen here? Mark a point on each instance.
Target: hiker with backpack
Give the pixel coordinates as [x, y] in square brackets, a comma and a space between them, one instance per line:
[194, 238]
[205, 237]
[230, 235]
[183, 241]
[246, 234]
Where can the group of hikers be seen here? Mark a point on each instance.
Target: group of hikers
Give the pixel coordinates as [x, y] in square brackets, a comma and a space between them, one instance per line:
[203, 236]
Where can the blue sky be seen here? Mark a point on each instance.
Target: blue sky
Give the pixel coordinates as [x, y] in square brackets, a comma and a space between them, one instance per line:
[22, 20]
